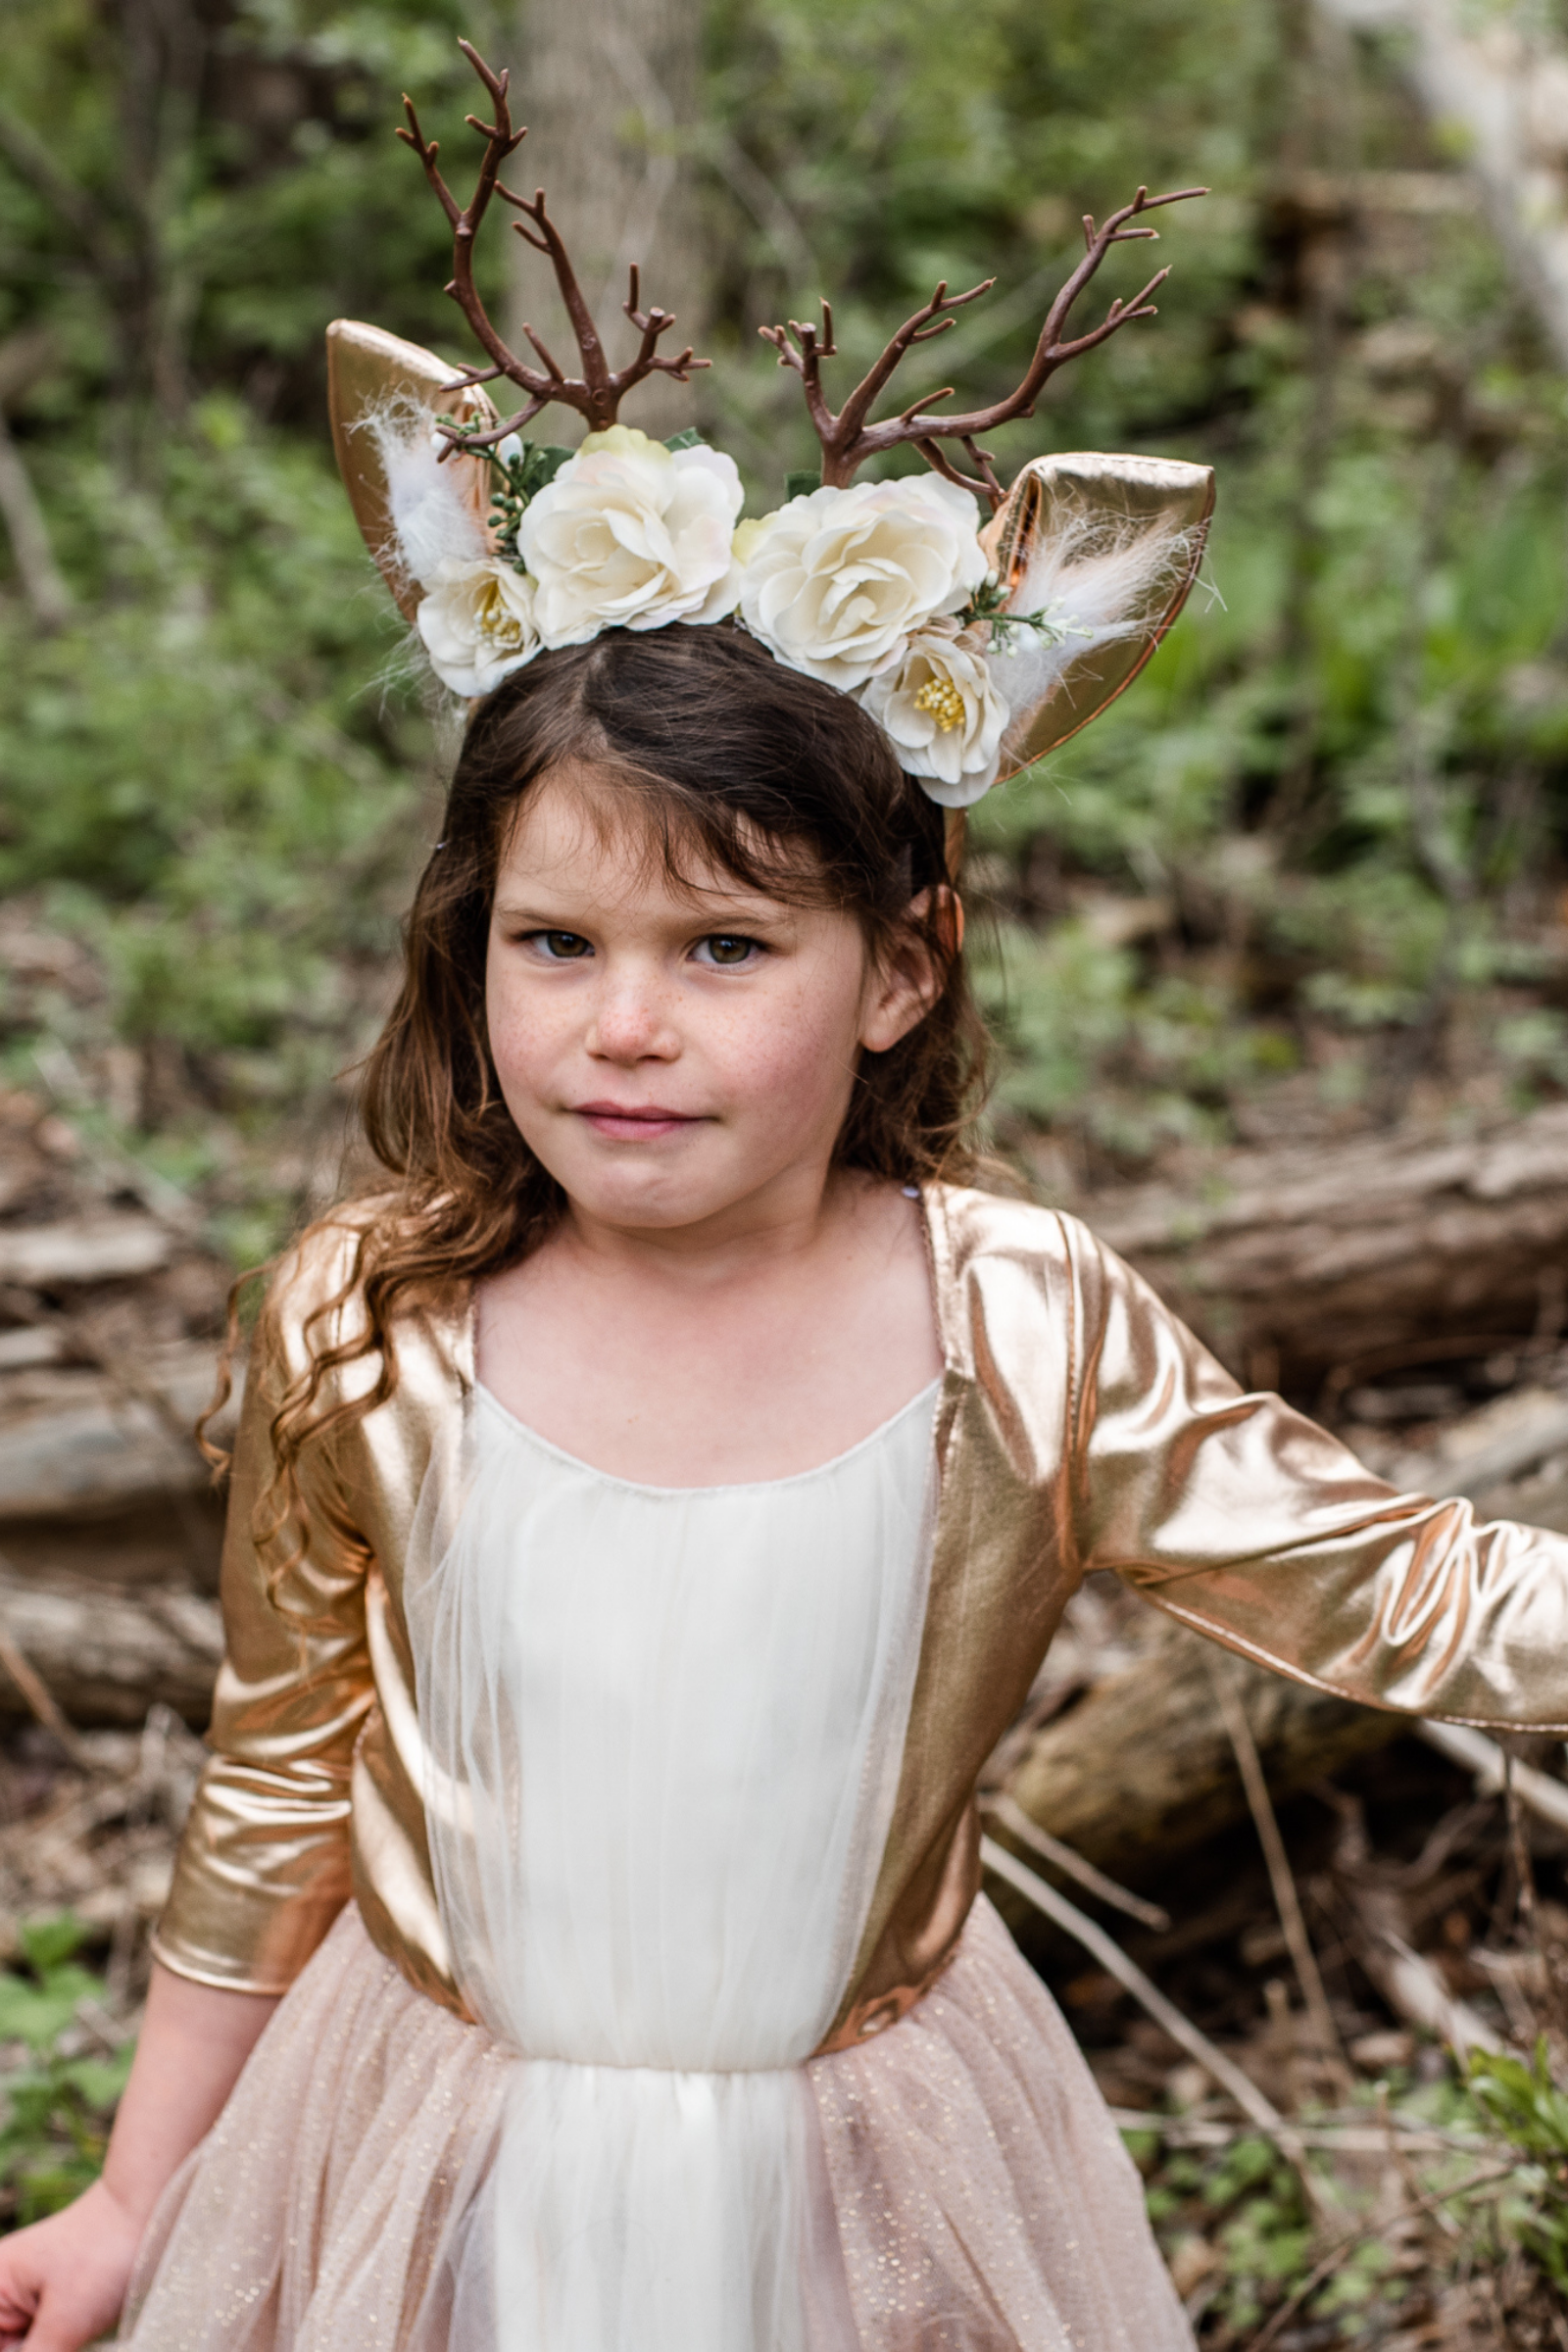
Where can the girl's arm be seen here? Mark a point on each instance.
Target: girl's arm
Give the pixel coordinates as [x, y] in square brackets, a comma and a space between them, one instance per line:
[1250, 1523]
[62, 2281]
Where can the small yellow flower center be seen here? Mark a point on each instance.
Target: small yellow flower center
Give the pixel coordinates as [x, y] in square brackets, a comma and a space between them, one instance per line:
[499, 625]
[945, 702]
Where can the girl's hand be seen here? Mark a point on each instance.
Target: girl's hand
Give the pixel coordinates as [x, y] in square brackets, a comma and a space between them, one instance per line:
[62, 2281]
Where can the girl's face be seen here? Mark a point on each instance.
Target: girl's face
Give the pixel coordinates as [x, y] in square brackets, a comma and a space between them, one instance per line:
[673, 1054]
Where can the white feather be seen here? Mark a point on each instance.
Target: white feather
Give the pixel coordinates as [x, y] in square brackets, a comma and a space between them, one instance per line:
[430, 517]
[1098, 579]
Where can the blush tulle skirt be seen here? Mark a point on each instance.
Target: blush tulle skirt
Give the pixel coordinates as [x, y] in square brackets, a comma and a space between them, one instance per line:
[982, 2196]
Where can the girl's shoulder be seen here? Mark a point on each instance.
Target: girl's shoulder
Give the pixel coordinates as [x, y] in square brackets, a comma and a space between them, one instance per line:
[315, 1306]
[324, 1263]
[1028, 1275]
[981, 1227]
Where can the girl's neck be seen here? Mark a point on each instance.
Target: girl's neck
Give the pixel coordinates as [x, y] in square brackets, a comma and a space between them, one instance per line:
[753, 1351]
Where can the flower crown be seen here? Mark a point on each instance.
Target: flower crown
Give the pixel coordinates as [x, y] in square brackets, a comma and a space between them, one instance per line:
[975, 649]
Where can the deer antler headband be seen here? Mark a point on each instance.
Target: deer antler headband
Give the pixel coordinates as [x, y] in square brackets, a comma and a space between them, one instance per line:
[976, 648]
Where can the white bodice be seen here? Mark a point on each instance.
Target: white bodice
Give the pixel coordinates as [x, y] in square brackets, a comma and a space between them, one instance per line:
[664, 1728]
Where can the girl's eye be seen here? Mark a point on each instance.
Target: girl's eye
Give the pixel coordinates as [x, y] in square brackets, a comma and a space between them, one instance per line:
[559, 947]
[728, 949]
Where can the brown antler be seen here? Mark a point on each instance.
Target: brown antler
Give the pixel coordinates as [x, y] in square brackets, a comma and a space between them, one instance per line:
[598, 392]
[847, 439]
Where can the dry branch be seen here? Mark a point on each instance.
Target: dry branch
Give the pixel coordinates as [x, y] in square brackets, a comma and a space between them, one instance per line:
[1054, 1907]
[1535, 1790]
[88, 1449]
[1287, 1901]
[1011, 1817]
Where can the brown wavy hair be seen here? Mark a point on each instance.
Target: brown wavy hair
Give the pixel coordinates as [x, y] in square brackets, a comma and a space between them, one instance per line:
[735, 765]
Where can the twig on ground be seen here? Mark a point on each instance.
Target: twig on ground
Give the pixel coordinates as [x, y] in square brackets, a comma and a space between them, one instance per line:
[40, 1698]
[1012, 1817]
[1114, 1961]
[1282, 1879]
[1528, 1910]
[1349, 2139]
[1537, 1791]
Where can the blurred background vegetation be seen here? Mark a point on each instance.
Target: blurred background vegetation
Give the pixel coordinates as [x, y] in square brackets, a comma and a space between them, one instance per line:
[1306, 879]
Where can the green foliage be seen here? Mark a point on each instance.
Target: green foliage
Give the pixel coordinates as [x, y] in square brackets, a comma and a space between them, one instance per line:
[57, 2108]
[1526, 2110]
[1249, 2203]
[1345, 780]
[1499, 2182]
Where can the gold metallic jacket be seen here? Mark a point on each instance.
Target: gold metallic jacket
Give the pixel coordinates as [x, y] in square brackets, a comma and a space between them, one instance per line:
[1080, 1427]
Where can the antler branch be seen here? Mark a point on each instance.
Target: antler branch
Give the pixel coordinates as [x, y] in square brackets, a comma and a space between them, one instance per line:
[597, 393]
[849, 437]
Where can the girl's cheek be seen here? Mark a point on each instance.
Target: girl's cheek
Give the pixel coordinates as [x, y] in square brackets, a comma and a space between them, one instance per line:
[796, 1054]
[520, 1040]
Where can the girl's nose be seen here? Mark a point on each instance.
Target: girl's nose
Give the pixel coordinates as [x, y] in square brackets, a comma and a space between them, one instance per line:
[630, 1024]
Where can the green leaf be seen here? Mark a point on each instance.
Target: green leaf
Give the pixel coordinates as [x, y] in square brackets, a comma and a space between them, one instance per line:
[687, 438]
[38, 2014]
[801, 481]
[45, 1942]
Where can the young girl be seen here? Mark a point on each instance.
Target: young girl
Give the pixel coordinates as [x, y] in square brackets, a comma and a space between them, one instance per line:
[652, 1507]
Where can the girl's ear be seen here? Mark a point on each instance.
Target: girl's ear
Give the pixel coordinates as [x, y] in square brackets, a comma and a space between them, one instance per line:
[907, 981]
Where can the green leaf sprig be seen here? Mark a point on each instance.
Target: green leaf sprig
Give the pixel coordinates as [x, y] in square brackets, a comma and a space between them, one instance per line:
[989, 604]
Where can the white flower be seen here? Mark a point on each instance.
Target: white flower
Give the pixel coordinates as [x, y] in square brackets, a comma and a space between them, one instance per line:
[478, 622]
[835, 582]
[942, 712]
[632, 535]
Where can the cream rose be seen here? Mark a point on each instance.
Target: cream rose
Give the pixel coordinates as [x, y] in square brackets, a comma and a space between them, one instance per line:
[477, 622]
[942, 712]
[835, 583]
[632, 535]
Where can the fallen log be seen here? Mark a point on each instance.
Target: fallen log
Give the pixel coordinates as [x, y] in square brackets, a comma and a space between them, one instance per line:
[1293, 1263]
[100, 1472]
[106, 1658]
[1143, 1765]
[84, 1249]
[88, 1444]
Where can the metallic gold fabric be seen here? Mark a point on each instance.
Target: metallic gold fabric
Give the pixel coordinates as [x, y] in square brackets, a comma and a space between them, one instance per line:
[1080, 1427]
[1066, 518]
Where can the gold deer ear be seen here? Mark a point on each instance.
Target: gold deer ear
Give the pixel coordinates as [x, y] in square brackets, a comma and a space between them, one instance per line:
[1099, 553]
[370, 374]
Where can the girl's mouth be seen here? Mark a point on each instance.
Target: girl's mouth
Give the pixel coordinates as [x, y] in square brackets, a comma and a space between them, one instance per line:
[620, 1123]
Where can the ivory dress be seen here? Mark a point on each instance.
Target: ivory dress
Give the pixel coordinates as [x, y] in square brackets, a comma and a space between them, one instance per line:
[666, 2010]
[663, 1732]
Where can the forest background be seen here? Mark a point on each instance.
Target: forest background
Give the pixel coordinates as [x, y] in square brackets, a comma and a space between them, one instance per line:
[1303, 891]
[1307, 870]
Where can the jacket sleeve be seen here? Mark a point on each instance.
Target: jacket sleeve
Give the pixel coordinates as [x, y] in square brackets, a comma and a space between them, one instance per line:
[1247, 1521]
[263, 1865]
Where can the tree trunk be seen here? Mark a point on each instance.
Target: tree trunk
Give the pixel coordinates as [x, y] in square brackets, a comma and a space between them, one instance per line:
[1502, 86]
[609, 91]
